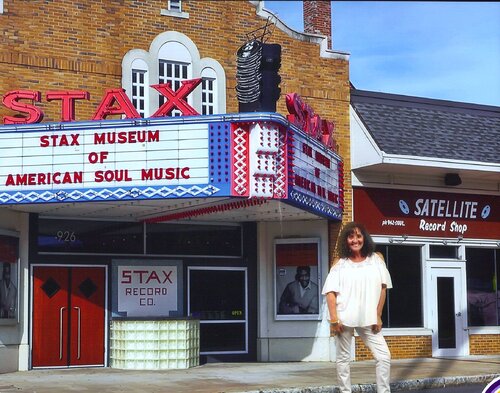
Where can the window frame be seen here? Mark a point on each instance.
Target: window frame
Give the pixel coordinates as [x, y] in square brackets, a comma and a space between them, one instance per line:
[174, 79]
[137, 97]
[386, 310]
[174, 11]
[175, 5]
[478, 329]
[209, 94]
[12, 238]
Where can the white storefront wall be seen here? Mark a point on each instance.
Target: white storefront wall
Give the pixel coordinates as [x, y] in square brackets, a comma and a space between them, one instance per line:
[290, 340]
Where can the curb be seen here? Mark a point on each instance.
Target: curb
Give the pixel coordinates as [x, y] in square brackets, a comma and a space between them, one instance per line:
[414, 384]
[441, 382]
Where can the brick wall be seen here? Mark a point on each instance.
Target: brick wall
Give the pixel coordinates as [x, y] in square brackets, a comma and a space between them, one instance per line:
[405, 347]
[318, 18]
[484, 344]
[401, 347]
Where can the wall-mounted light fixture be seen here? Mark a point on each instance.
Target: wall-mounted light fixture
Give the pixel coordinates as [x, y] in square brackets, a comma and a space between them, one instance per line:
[452, 179]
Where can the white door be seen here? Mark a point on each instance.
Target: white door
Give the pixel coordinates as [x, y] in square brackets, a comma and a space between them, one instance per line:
[448, 311]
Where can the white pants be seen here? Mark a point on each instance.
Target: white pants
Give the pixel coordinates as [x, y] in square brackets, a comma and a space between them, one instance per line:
[377, 345]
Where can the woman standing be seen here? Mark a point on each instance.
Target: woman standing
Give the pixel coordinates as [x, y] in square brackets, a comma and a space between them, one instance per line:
[355, 292]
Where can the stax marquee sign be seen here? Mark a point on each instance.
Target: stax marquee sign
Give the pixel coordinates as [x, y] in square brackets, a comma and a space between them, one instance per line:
[114, 102]
[241, 155]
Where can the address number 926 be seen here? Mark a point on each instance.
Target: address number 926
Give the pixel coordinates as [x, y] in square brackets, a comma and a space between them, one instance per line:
[66, 236]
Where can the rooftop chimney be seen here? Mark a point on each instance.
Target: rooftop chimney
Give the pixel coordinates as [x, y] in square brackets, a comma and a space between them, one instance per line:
[318, 18]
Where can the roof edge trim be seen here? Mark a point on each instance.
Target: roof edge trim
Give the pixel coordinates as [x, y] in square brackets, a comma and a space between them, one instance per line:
[319, 39]
[439, 162]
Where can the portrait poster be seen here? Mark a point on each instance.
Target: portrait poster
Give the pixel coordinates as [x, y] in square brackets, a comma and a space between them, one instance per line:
[9, 277]
[297, 270]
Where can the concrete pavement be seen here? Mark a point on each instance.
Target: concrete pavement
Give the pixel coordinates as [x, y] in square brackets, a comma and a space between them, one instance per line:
[291, 377]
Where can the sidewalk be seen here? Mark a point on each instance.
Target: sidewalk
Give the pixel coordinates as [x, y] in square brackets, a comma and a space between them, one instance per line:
[293, 377]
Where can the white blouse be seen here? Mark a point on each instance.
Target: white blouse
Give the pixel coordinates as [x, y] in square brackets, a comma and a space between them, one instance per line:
[358, 286]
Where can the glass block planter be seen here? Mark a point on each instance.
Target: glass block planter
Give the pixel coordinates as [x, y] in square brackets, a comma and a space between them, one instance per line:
[154, 344]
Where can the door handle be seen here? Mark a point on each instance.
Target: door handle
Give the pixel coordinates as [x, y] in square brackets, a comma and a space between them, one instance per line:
[79, 332]
[61, 310]
[459, 314]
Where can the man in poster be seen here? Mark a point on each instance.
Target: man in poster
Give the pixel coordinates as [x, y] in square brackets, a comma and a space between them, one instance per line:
[8, 293]
[300, 296]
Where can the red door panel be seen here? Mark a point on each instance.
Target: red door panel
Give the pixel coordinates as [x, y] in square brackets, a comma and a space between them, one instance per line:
[87, 316]
[50, 316]
[68, 316]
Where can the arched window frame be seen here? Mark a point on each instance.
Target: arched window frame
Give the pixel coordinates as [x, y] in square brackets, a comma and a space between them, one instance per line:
[172, 46]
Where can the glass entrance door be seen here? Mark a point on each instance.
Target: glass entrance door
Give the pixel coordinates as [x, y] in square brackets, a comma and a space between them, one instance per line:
[448, 311]
[218, 297]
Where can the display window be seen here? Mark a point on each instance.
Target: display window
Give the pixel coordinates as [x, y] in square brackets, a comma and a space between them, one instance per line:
[9, 277]
[403, 306]
[483, 293]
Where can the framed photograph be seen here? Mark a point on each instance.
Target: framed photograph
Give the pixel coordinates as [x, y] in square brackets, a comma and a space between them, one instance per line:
[9, 277]
[296, 278]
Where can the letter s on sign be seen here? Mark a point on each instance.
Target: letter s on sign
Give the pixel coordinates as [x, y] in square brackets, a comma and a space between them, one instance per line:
[11, 101]
[294, 105]
[126, 277]
[418, 209]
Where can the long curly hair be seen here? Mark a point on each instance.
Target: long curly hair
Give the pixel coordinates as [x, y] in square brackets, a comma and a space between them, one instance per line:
[348, 229]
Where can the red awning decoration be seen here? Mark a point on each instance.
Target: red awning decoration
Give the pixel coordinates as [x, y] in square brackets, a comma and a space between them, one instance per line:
[208, 210]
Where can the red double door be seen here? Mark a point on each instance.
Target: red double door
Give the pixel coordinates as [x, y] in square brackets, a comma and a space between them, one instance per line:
[69, 311]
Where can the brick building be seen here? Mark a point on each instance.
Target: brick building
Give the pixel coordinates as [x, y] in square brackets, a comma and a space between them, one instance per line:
[222, 260]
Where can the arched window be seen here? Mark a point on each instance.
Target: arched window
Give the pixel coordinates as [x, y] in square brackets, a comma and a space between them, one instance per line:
[208, 92]
[174, 66]
[140, 84]
[172, 58]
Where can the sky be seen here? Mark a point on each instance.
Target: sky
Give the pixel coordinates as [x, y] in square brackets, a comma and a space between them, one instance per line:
[442, 50]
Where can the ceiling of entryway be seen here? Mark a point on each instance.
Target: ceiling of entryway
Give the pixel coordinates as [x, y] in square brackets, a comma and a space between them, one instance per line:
[202, 209]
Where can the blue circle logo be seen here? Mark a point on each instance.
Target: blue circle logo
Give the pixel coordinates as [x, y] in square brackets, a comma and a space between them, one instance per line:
[486, 212]
[403, 206]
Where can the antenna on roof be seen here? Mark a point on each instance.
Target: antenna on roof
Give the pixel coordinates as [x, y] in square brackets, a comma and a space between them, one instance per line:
[265, 32]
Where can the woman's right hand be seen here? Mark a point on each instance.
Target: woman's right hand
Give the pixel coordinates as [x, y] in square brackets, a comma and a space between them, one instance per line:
[337, 327]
